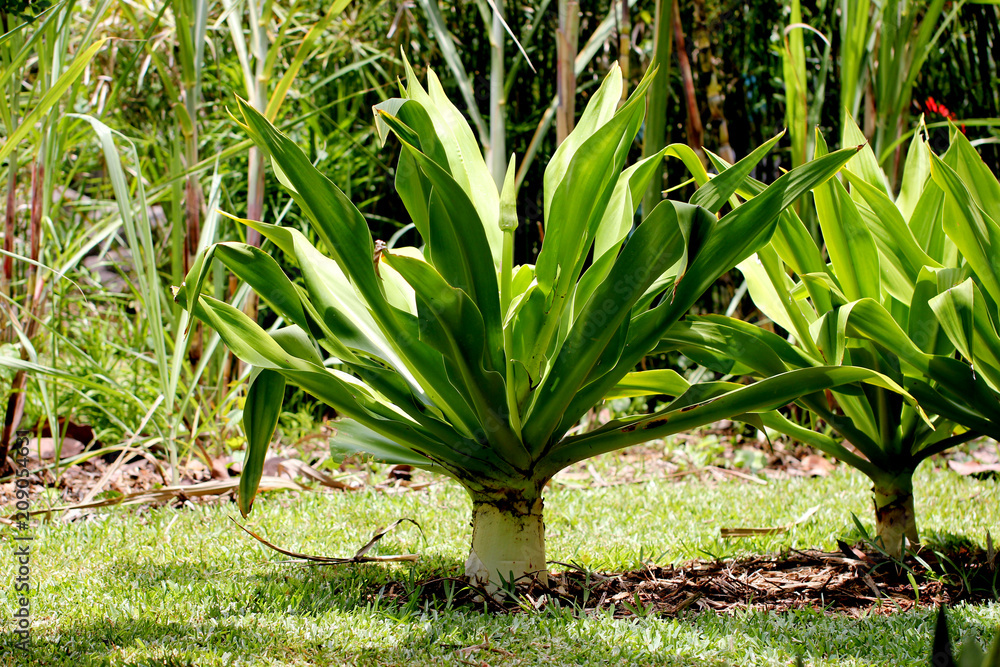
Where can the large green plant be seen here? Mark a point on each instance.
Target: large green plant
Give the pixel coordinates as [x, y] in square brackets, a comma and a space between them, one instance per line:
[898, 294]
[451, 358]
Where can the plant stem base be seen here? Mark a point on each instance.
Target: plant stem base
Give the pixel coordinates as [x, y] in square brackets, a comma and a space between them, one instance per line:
[508, 540]
[895, 519]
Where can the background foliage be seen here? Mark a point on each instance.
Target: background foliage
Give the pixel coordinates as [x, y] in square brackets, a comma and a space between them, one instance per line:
[92, 352]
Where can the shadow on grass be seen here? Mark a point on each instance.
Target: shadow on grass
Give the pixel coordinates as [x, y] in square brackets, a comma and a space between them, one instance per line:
[175, 615]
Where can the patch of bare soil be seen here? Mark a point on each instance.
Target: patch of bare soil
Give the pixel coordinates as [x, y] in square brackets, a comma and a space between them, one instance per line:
[89, 476]
[850, 583]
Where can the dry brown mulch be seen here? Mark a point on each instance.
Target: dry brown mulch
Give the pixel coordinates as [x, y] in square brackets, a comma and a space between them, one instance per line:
[850, 583]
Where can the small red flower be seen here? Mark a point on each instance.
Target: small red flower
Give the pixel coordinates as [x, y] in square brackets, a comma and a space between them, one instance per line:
[939, 109]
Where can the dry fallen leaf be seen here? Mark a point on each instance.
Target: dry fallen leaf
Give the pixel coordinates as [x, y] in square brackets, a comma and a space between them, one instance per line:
[47, 448]
[817, 466]
[973, 467]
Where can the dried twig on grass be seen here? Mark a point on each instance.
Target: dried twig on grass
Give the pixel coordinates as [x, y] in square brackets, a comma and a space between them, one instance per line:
[183, 490]
[748, 532]
[358, 557]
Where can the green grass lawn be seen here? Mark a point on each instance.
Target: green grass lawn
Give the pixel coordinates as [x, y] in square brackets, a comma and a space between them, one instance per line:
[187, 587]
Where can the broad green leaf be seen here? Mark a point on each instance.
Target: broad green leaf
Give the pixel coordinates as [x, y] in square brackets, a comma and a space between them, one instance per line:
[465, 160]
[916, 172]
[336, 306]
[768, 355]
[821, 288]
[353, 438]
[347, 394]
[791, 239]
[581, 193]
[981, 182]
[247, 340]
[523, 278]
[850, 244]
[772, 292]
[592, 278]
[600, 110]
[451, 324]
[412, 189]
[338, 223]
[922, 325]
[297, 343]
[618, 217]
[954, 310]
[260, 417]
[397, 291]
[714, 194]
[963, 314]
[763, 352]
[525, 321]
[762, 396]
[927, 227]
[657, 244]
[890, 231]
[864, 164]
[577, 206]
[742, 231]
[649, 383]
[457, 244]
[737, 236]
[973, 231]
[829, 332]
[263, 273]
[955, 380]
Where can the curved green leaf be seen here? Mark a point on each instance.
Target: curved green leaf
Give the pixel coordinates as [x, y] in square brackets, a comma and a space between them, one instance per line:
[649, 383]
[714, 194]
[975, 233]
[657, 244]
[763, 396]
[260, 417]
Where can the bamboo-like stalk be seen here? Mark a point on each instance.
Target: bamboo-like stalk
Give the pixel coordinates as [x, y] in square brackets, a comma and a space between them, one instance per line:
[696, 133]
[255, 83]
[593, 45]
[32, 280]
[10, 213]
[624, 46]
[8, 238]
[654, 137]
[854, 22]
[191, 17]
[498, 104]
[794, 68]
[567, 37]
[255, 170]
[33, 307]
[450, 55]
